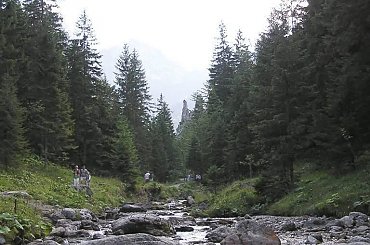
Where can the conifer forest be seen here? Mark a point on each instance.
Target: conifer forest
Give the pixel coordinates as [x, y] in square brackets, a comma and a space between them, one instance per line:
[301, 94]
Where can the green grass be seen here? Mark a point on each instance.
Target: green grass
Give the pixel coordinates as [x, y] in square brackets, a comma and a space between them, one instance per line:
[321, 193]
[236, 199]
[48, 184]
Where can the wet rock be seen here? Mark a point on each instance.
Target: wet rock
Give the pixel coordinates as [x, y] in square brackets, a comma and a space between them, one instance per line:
[250, 232]
[131, 208]
[98, 236]
[184, 229]
[141, 223]
[218, 234]
[131, 239]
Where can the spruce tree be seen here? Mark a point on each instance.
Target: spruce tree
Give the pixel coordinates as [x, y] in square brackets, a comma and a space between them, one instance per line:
[134, 100]
[11, 113]
[42, 84]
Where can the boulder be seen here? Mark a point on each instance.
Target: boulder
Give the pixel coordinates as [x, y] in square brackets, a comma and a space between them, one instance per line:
[249, 232]
[131, 208]
[218, 234]
[69, 213]
[142, 223]
[184, 228]
[41, 242]
[190, 201]
[131, 239]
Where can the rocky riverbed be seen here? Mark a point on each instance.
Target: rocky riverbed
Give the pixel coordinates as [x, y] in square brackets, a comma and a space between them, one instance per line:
[169, 223]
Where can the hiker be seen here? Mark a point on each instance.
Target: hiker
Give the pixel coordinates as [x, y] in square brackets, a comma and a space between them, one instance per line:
[76, 177]
[85, 176]
[147, 176]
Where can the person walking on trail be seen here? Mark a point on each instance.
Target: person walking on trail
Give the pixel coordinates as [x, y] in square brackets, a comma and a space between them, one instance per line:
[147, 176]
[76, 177]
[85, 176]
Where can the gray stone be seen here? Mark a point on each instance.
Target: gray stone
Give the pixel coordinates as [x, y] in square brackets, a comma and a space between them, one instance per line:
[184, 229]
[190, 201]
[312, 240]
[141, 223]
[85, 214]
[250, 232]
[58, 231]
[42, 242]
[218, 234]
[2, 240]
[348, 221]
[69, 213]
[131, 208]
[359, 239]
[289, 226]
[131, 239]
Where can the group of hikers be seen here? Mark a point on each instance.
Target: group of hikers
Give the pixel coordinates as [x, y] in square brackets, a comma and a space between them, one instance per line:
[81, 177]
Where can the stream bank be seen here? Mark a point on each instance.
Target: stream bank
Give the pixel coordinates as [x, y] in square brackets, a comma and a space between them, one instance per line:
[170, 223]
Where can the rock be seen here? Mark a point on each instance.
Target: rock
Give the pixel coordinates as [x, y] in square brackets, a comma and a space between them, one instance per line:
[42, 242]
[362, 228]
[348, 221]
[69, 213]
[111, 213]
[314, 223]
[184, 228]
[89, 225]
[314, 239]
[57, 215]
[359, 218]
[336, 222]
[182, 221]
[22, 194]
[86, 214]
[58, 231]
[250, 232]
[131, 239]
[289, 226]
[141, 223]
[359, 239]
[2, 240]
[218, 234]
[190, 201]
[98, 236]
[131, 208]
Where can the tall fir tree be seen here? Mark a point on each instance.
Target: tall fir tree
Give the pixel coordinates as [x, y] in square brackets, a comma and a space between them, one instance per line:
[42, 84]
[134, 100]
[163, 146]
[11, 113]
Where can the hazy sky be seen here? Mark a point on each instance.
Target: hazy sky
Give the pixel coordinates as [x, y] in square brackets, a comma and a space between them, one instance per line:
[175, 38]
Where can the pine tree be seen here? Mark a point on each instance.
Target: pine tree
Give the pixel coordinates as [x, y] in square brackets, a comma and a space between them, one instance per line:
[11, 114]
[42, 85]
[163, 147]
[134, 100]
[86, 91]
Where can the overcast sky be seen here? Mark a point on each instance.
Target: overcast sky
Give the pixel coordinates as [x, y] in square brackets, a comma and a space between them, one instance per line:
[175, 39]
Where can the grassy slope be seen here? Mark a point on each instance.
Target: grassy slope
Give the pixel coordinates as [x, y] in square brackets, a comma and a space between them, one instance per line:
[321, 193]
[51, 184]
